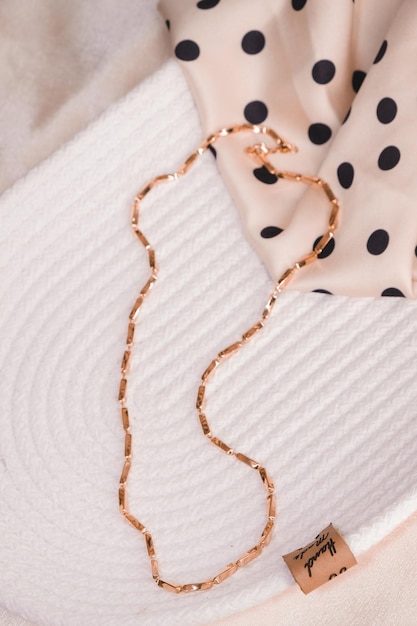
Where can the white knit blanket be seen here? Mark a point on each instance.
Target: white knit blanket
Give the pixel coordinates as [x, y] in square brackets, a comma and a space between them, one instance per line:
[325, 397]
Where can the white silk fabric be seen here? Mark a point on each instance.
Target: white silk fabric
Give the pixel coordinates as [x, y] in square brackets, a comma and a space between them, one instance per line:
[336, 79]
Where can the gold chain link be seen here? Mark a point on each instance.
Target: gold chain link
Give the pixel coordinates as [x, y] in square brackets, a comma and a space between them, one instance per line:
[259, 152]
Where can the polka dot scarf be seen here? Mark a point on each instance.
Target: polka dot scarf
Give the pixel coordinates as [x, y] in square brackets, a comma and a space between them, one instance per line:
[338, 80]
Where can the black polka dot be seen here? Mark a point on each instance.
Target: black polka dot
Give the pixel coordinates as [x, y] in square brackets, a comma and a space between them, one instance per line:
[253, 42]
[187, 50]
[357, 79]
[323, 71]
[207, 4]
[393, 292]
[297, 5]
[389, 158]
[347, 115]
[345, 174]
[270, 231]
[319, 133]
[381, 51]
[213, 151]
[378, 242]
[322, 291]
[255, 112]
[327, 250]
[386, 110]
[265, 176]
[168, 24]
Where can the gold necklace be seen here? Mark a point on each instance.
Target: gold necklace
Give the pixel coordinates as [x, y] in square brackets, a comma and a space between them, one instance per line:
[260, 152]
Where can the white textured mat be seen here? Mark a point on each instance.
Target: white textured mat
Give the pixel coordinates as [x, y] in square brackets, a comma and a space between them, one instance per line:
[325, 397]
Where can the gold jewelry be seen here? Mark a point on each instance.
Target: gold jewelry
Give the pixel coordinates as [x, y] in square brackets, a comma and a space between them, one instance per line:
[260, 153]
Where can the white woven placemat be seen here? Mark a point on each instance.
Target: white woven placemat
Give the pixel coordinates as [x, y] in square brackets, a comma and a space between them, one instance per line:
[325, 396]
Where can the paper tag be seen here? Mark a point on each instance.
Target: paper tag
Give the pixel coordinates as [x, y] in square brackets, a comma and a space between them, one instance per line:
[325, 558]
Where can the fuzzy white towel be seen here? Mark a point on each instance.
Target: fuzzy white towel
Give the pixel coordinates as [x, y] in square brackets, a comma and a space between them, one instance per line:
[62, 64]
[324, 397]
